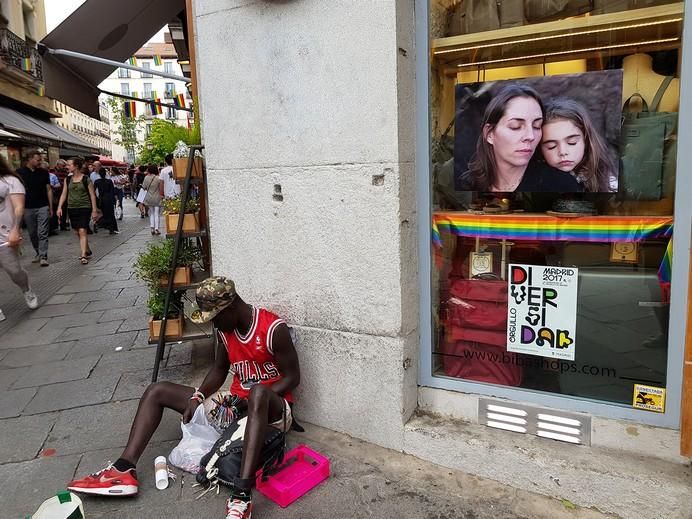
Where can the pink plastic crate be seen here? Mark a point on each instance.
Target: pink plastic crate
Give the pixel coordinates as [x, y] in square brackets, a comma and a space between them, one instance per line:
[302, 470]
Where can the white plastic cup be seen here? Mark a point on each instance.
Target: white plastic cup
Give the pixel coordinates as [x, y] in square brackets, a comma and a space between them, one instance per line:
[161, 472]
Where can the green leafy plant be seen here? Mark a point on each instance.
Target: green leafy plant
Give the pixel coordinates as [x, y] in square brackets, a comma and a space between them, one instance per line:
[153, 263]
[172, 205]
[162, 139]
[156, 302]
[124, 128]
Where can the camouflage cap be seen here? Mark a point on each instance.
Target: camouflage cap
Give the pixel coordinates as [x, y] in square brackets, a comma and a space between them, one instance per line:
[213, 296]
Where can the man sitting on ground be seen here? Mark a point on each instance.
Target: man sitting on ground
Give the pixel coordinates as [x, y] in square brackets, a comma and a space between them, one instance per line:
[257, 345]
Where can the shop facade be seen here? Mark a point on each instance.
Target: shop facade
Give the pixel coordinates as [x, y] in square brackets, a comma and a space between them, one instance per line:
[431, 297]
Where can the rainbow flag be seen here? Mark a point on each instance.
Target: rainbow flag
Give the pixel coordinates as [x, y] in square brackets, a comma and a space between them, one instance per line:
[26, 64]
[134, 93]
[665, 271]
[179, 100]
[130, 108]
[41, 91]
[156, 108]
[603, 229]
[132, 61]
[153, 95]
[157, 61]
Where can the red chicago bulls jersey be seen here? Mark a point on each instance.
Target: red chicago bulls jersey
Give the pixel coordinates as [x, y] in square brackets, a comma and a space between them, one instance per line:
[251, 356]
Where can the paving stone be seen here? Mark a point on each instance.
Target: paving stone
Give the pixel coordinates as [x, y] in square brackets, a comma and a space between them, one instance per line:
[57, 397]
[29, 325]
[55, 310]
[137, 359]
[104, 426]
[91, 330]
[109, 304]
[77, 319]
[139, 322]
[101, 344]
[31, 482]
[54, 372]
[125, 283]
[10, 376]
[12, 403]
[133, 384]
[36, 354]
[27, 434]
[134, 292]
[114, 314]
[22, 340]
[142, 340]
[58, 299]
[101, 295]
[87, 285]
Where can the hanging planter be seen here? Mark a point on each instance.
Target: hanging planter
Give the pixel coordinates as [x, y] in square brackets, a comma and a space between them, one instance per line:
[190, 223]
[182, 276]
[180, 168]
[174, 328]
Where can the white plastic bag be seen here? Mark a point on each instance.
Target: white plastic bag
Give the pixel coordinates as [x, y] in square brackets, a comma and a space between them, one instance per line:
[198, 439]
[64, 505]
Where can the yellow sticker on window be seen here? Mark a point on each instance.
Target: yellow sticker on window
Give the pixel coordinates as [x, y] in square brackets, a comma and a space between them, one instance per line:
[650, 398]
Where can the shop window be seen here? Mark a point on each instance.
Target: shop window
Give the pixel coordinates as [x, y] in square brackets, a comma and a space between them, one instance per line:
[553, 147]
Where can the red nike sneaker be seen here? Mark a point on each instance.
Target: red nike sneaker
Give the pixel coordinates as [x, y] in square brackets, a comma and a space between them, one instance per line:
[107, 482]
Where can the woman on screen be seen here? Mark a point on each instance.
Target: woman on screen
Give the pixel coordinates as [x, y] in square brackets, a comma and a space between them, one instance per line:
[510, 133]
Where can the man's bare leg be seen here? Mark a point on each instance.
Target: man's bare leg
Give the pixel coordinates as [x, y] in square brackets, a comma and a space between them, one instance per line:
[157, 396]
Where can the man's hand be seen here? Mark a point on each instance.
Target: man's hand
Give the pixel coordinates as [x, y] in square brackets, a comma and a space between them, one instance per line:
[14, 238]
[190, 410]
[59, 212]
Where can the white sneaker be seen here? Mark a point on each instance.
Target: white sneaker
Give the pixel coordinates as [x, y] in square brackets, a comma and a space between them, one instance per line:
[2, 316]
[31, 299]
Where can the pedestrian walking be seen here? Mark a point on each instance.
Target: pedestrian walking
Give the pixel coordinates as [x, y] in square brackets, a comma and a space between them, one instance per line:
[81, 199]
[119, 182]
[55, 188]
[171, 188]
[153, 186]
[12, 198]
[106, 202]
[140, 174]
[39, 205]
[61, 173]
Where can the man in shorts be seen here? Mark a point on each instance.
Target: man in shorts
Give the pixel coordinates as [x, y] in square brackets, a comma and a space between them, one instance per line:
[257, 346]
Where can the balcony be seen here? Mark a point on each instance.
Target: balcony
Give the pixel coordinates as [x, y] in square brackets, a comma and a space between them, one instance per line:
[13, 52]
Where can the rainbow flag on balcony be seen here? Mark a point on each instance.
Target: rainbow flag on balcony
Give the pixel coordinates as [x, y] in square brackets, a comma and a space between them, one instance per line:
[130, 108]
[26, 64]
[41, 91]
[132, 61]
[179, 100]
[156, 108]
[157, 61]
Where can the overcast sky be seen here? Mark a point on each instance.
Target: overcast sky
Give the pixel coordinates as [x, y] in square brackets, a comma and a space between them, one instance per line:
[58, 10]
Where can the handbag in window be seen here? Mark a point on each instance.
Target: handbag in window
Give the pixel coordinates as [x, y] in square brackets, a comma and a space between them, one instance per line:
[648, 147]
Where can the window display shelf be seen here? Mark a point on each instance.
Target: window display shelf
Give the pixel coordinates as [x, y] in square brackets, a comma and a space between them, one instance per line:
[652, 28]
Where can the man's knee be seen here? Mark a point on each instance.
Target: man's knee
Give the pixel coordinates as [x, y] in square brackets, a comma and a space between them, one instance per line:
[156, 391]
[259, 396]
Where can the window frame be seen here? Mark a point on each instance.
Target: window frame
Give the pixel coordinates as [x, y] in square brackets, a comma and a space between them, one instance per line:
[682, 238]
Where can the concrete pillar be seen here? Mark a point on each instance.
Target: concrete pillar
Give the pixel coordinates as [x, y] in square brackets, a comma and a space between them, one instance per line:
[307, 113]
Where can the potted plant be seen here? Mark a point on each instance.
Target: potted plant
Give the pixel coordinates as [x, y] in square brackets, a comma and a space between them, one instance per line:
[171, 211]
[181, 156]
[175, 322]
[152, 267]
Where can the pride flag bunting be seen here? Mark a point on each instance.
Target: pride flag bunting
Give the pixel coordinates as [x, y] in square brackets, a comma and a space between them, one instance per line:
[133, 61]
[41, 91]
[157, 61]
[26, 64]
[179, 100]
[544, 227]
[130, 108]
[156, 108]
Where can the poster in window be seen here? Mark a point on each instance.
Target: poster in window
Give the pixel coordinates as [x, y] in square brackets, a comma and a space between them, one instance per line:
[556, 134]
[542, 311]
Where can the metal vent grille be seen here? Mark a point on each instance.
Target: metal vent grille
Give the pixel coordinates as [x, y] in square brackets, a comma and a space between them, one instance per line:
[546, 423]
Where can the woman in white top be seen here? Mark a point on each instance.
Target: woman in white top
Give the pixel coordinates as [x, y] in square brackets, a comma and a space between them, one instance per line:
[12, 194]
[153, 186]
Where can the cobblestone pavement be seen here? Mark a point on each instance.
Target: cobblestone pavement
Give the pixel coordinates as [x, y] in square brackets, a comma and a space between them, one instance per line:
[71, 373]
